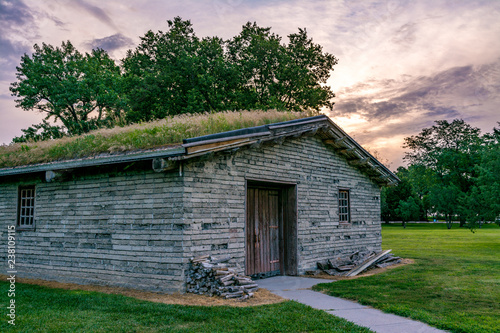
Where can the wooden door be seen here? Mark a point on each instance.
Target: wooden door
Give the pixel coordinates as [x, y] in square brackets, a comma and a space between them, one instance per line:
[263, 232]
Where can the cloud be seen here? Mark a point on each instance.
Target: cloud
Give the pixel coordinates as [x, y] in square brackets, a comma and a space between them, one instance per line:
[460, 87]
[8, 48]
[380, 113]
[111, 43]
[406, 34]
[403, 64]
[14, 13]
[96, 12]
[16, 22]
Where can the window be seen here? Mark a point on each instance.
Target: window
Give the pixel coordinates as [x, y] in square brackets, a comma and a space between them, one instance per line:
[344, 207]
[26, 207]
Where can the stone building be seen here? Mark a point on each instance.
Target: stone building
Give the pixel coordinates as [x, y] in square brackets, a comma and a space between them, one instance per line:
[277, 198]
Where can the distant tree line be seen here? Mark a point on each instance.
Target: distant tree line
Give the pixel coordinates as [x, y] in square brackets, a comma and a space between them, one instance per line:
[453, 172]
[171, 73]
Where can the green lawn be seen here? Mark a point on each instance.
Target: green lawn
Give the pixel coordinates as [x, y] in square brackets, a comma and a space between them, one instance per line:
[41, 309]
[453, 285]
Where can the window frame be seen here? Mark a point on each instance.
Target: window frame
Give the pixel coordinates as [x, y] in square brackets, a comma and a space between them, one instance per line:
[26, 195]
[346, 205]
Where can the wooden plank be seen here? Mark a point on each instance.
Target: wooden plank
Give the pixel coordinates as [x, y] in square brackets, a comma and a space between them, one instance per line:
[250, 235]
[258, 236]
[248, 240]
[273, 231]
[210, 146]
[264, 209]
[255, 231]
[290, 230]
[367, 263]
[266, 218]
[281, 242]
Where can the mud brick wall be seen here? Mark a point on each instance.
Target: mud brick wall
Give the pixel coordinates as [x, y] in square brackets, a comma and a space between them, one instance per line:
[124, 230]
[214, 199]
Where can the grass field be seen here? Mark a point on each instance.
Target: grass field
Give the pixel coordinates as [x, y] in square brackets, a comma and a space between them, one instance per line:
[453, 285]
[42, 309]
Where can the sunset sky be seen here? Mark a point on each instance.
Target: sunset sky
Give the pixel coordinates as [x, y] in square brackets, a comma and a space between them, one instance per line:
[402, 64]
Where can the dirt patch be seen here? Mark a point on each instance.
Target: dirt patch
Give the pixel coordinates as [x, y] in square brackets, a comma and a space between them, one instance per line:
[325, 276]
[261, 296]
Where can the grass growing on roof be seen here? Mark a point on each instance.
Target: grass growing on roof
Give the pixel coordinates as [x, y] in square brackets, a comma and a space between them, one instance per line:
[42, 309]
[151, 135]
[453, 285]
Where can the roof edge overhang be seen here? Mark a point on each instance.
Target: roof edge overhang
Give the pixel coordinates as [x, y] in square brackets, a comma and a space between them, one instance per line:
[92, 161]
[324, 127]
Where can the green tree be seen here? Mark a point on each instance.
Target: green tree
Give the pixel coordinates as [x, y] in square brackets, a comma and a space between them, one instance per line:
[408, 210]
[40, 132]
[176, 72]
[446, 200]
[421, 180]
[282, 76]
[392, 196]
[162, 73]
[482, 203]
[257, 55]
[80, 91]
[305, 74]
[449, 151]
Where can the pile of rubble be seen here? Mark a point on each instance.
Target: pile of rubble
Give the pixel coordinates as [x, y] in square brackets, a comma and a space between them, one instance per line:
[210, 276]
[357, 263]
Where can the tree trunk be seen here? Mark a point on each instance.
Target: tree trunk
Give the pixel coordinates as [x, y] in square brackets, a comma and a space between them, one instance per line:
[449, 222]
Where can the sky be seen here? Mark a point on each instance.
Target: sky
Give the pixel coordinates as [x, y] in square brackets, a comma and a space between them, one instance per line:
[402, 64]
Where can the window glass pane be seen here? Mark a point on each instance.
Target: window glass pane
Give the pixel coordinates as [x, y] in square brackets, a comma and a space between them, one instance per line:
[344, 213]
[26, 206]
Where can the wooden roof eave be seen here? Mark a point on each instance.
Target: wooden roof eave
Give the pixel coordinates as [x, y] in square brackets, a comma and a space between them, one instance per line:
[321, 125]
[92, 161]
[357, 156]
[276, 133]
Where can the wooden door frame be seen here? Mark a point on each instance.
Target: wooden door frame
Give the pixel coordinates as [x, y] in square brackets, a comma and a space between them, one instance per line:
[288, 221]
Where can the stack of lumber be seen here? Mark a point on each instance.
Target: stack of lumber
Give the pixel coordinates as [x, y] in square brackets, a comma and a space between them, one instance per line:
[358, 262]
[210, 276]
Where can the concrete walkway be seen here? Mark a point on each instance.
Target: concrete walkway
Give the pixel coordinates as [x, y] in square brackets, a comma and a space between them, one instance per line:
[299, 289]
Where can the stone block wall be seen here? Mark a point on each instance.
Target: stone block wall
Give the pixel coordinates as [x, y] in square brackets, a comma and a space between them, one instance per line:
[214, 199]
[124, 230]
[139, 228]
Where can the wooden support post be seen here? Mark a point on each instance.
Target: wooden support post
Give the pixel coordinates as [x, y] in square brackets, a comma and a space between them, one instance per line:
[341, 140]
[360, 162]
[329, 142]
[161, 165]
[347, 150]
[256, 145]
[53, 175]
[383, 177]
[279, 140]
[311, 132]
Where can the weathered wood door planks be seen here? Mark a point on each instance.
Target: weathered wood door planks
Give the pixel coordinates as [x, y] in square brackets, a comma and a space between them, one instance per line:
[263, 231]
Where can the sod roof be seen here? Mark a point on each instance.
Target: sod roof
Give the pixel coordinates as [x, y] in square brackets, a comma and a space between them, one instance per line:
[161, 134]
[178, 138]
